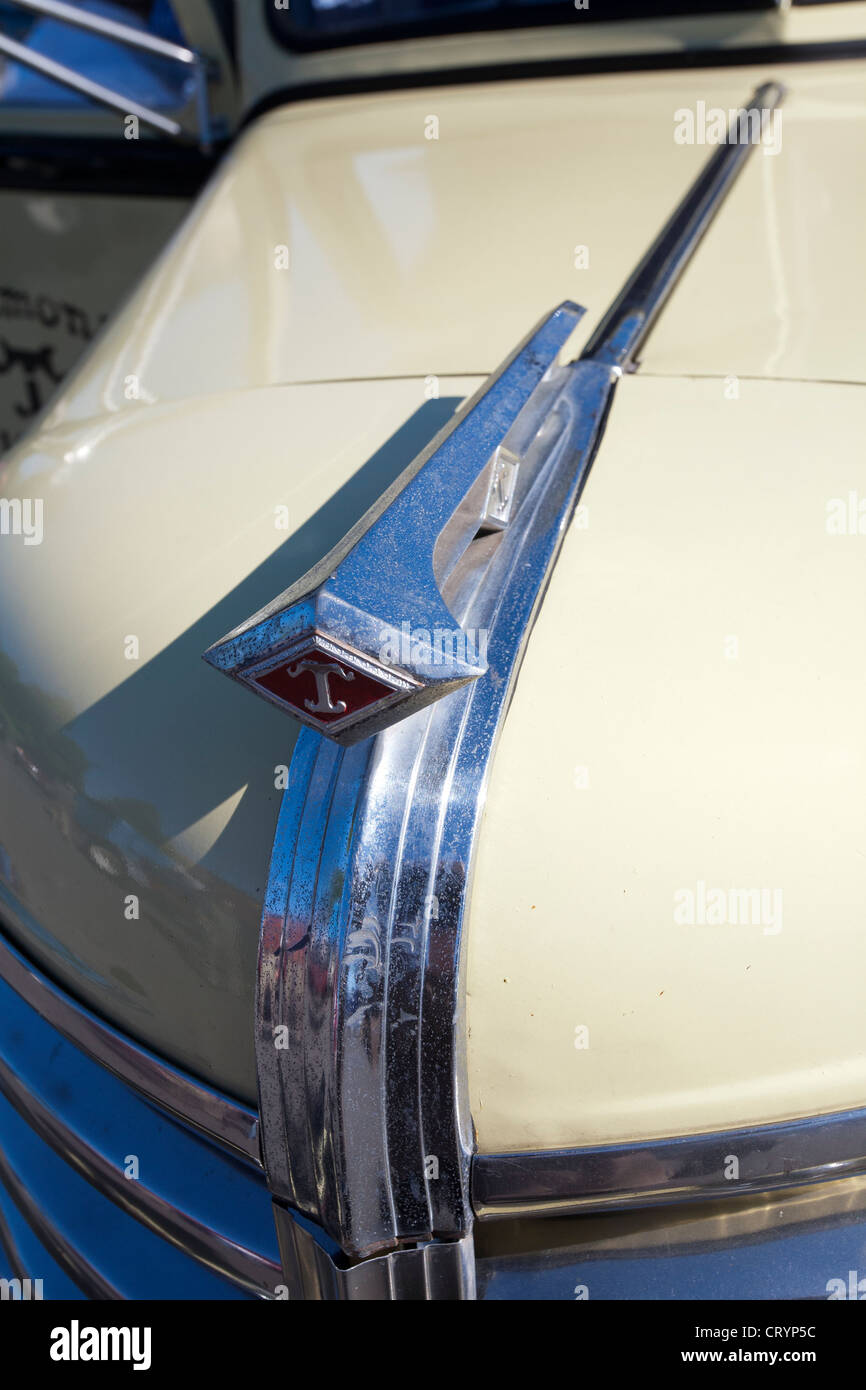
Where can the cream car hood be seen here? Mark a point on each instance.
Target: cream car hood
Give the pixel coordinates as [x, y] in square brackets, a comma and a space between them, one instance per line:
[129, 767]
[341, 285]
[340, 243]
[667, 930]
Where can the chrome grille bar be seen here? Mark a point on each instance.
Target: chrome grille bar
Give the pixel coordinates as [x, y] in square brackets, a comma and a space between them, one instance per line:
[246, 1268]
[224, 1120]
[79, 1270]
[69, 1128]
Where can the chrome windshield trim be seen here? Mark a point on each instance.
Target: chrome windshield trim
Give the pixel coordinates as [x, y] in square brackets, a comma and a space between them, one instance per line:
[360, 1027]
[691, 1168]
[202, 68]
[107, 28]
[231, 1124]
[78, 82]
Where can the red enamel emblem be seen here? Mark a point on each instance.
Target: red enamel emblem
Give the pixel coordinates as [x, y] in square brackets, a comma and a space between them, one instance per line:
[322, 688]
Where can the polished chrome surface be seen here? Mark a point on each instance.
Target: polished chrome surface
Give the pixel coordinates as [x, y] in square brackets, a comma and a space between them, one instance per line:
[122, 1194]
[125, 34]
[438, 1270]
[222, 1119]
[110, 29]
[70, 1260]
[201, 1242]
[23, 1256]
[95, 1242]
[690, 1168]
[630, 318]
[11, 1261]
[78, 82]
[803, 1243]
[360, 1044]
[382, 589]
[360, 1038]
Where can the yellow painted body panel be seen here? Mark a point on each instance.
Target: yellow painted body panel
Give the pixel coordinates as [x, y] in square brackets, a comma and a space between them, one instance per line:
[690, 712]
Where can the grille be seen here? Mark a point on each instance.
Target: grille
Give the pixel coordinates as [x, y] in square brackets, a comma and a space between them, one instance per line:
[104, 1191]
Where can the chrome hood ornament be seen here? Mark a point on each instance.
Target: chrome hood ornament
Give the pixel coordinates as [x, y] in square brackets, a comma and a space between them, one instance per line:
[368, 635]
[367, 1136]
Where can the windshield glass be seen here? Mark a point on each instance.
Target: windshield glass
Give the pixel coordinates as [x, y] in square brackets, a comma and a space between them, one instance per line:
[324, 23]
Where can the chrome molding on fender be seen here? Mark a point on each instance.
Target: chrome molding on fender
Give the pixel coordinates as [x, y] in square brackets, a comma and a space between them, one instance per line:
[369, 636]
[360, 1035]
[364, 1126]
[659, 1171]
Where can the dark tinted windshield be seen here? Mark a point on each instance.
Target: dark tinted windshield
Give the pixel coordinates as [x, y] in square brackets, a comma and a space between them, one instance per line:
[322, 23]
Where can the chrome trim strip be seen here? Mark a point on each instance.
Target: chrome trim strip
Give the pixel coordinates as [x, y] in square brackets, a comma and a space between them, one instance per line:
[89, 1280]
[9, 1248]
[440, 1270]
[99, 24]
[77, 82]
[629, 319]
[242, 1266]
[760, 1246]
[360, 1029]
[231, 1124]
[382, 589]
[378, 603]
[364, 1121]
[360, 1038]
[690, 1168]
[202, 68]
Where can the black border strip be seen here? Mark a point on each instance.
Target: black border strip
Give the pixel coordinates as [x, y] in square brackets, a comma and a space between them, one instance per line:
[102, 164]
[292, 37]
[761, 55]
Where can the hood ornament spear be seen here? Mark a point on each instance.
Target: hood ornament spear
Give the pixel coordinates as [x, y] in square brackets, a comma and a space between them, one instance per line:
[332, 650]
